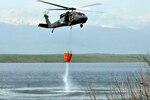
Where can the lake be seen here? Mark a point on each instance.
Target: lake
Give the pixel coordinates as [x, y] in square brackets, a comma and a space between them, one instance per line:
[61, 81]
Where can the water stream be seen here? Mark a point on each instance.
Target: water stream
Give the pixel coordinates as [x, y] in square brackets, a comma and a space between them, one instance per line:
[66, 80]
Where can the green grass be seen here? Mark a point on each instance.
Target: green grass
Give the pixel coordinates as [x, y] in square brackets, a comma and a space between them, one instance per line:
[4, 58]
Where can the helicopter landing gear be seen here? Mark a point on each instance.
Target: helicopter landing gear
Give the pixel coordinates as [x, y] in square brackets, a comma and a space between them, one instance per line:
[81, 25]
[52, 30]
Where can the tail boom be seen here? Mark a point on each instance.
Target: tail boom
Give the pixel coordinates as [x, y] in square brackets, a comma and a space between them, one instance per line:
[47, 25]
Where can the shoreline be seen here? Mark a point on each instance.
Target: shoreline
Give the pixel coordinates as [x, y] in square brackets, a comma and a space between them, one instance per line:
[77, 58]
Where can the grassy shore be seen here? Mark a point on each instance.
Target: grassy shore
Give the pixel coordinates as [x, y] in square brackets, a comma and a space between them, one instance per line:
[88, 58]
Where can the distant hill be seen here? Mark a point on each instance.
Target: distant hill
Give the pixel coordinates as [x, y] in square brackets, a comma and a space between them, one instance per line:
[88, 58]
[90, 39]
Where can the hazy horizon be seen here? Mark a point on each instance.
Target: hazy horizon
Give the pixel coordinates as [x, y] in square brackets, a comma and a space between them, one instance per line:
[123, 28]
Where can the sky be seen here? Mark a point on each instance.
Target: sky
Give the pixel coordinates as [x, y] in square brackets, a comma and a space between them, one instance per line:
[117, 13]
[119, 17]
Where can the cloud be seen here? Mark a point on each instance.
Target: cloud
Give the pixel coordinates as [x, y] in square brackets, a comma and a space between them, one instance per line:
[106, 20]
[109, 26]
[118, 20]
[115, 15]
[137, 21]
[15, 17]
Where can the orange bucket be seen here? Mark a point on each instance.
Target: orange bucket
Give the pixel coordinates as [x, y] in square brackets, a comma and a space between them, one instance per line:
[67, 56]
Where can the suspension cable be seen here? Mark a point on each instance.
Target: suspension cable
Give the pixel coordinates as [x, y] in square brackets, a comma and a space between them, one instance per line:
[70, 39]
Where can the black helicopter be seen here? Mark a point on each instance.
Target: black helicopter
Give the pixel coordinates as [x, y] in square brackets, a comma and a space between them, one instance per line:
[69, 18]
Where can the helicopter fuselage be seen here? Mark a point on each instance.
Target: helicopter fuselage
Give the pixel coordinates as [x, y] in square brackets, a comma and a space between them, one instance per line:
[66, 19]
[69, 18]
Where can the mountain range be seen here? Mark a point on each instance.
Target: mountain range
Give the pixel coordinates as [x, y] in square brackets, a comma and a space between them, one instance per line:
[26, 39]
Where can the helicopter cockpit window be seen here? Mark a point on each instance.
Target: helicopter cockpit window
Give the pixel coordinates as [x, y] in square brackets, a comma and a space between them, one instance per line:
[80, 14]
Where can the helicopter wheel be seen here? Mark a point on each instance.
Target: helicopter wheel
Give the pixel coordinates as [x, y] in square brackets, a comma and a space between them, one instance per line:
[81, 25]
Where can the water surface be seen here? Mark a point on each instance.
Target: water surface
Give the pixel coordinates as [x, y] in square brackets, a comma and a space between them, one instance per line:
[45, 81]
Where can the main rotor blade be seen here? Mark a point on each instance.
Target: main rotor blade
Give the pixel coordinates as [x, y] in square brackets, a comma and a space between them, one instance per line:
[53, 4]
[56, 9]
[90, 11]
[95, 4]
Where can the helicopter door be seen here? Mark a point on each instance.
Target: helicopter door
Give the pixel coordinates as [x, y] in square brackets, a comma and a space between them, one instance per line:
[67, 18]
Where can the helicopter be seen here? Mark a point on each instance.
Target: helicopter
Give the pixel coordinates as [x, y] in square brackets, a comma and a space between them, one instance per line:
[69, 18]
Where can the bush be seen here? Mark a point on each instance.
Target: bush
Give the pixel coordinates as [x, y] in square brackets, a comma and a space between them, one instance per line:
[136, 88]
[133, 88]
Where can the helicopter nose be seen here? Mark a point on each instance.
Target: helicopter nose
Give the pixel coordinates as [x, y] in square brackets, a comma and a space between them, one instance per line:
[84, 19]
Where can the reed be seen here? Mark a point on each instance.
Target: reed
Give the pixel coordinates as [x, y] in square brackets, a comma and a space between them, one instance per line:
[135, 88]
